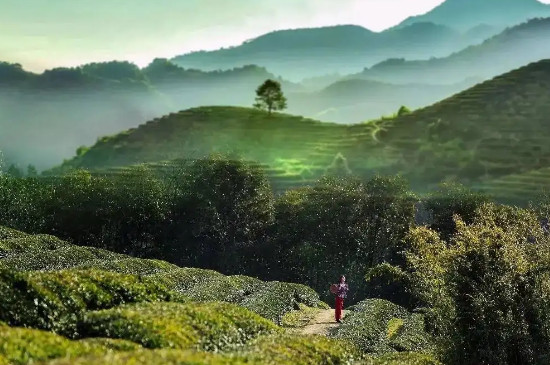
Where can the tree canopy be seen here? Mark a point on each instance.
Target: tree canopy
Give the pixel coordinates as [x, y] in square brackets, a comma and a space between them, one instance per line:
[270, 97]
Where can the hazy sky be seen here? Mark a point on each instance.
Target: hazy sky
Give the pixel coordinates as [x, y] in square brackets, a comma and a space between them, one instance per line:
[46, 33]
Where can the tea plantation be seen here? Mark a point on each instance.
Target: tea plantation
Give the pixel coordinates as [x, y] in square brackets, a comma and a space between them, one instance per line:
[494, 130]
[67, 304]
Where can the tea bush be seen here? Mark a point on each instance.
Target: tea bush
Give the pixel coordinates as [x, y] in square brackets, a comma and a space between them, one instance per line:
[403, 358]
[205, 326]
[288, 349]
[270, 350]
[275, 299]
[23, 346]
[155, 357]
[378, 326]
[55, 300]
[271, 300]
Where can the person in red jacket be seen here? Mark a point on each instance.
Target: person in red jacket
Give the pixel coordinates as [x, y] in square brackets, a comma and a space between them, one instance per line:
[341, 294]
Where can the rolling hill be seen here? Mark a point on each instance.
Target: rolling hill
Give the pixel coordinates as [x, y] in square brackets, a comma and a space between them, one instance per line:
[303, 53]
[513, 48]
[84, 103]
[497, 128]
[467, 14]
[357, 100]
[492, 130]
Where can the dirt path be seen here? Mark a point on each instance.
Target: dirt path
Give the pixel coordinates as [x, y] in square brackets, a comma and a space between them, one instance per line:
[322, 324]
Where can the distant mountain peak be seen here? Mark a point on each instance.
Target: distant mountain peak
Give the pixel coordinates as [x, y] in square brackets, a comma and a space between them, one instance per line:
[466, 14]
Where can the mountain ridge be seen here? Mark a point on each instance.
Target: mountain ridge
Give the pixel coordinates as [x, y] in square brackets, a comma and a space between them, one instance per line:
[303, 53]
[465, 14]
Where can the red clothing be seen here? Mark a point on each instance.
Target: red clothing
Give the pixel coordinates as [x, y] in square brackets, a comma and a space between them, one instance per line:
[338, 308]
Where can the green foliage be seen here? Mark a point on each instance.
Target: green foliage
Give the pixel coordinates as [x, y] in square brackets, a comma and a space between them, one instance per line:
[277, 349]
[301, 350]
[207, 326]
[487, 287]
[271, 300]
[392, 283]
[57, 300]
[403, 110]
[270, 97]
[450, 200]
[80, 151]
[226, 207]
[157, 357]
[378, 326]
[23, 346]
[403, 358]
[341, 226]
[275, 299]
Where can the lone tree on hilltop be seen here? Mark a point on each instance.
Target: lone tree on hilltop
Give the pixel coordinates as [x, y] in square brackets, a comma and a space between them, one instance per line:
[270, 97]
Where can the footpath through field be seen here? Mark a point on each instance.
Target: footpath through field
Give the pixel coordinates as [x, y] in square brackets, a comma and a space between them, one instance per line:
[322, 324]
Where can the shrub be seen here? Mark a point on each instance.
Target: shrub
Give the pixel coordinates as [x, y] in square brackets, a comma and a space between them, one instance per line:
[378, 326]
[23, 345]
[55, 300]
[276, 350]
[301, 350]
[391, 283]
[487, 288]
[275, 299]
[157, 357]
[207, 326]
[403, 358]
[341, 226]
[450, 200]
[271, 300]
[225, 207]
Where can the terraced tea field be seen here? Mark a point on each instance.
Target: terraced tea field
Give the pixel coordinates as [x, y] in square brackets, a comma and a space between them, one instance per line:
[519, 188]
[495, 129]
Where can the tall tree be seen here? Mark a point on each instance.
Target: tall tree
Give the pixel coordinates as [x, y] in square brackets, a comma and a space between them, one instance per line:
[270, 97]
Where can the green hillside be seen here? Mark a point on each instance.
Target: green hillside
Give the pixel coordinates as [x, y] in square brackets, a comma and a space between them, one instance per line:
[494, 129]
[82, 305]
[293, 150]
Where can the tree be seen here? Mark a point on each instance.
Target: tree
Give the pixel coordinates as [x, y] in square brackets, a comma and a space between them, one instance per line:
[403, 111]
[270, 97]
[224, 208]
[486, 289]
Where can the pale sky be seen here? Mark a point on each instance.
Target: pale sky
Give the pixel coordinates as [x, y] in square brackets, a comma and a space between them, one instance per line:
[43, 34]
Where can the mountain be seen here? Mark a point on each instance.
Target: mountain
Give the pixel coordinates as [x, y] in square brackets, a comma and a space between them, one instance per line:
[45, 117]
[492, 130]
[356, 100]
[497, 128]
[304, 53]
[513, 48]
[466, 14]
